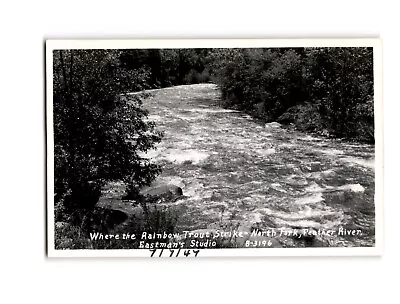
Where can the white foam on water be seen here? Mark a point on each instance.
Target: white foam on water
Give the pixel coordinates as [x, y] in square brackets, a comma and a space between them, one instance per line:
[312, 199]
[181, 156]
[257, 217]
[258, 196]
[306, 221]
[154, 153]
[310, 138]
[211, 110]
[287, 145]
[301, 223]
[189, 117]
[183, 145]
[196, 191]
[174, 180]
[352, 187]
[314, 187]
[155, 117]
[209, 212]
[305, 214]
[278, 187]
[253, 217]
[320, 174]
[266, 134]
[368, 163]
[331, 152]
[328, 172]
[266, 152]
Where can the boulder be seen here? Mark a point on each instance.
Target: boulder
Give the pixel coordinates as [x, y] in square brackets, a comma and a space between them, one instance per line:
[162, 190]
[273, 125]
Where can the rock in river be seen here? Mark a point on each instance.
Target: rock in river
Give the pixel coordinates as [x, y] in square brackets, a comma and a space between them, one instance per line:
[273, 125]
[168, 191]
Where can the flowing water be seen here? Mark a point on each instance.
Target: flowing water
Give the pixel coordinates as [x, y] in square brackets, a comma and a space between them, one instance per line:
[234, 170]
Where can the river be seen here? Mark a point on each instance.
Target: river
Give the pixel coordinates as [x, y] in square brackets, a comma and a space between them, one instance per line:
[237, 171]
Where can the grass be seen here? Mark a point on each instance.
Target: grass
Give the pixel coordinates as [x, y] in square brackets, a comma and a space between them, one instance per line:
[73, 232]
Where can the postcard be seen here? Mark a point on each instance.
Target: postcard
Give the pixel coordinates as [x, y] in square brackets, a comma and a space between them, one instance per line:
[214, 147]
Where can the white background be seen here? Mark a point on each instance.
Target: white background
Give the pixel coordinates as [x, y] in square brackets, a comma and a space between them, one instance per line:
[30, 277]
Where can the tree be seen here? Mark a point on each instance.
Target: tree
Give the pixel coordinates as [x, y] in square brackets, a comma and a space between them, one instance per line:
[99, 131]
[342, 84]
[268, 79]
[335, 85]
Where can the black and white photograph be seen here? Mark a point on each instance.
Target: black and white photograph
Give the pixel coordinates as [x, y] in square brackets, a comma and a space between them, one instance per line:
[207, 148]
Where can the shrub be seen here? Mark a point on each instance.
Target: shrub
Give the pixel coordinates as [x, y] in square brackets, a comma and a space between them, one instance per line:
[99, 131]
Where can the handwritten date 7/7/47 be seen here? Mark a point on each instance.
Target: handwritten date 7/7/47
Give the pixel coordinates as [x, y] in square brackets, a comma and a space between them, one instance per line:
[172, 253]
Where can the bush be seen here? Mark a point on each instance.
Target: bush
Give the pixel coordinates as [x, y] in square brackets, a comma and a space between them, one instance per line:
[99, 131]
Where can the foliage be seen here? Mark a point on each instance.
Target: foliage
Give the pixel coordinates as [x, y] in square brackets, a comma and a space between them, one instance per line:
[263, 77]
[99, 131]
[169, 66]
[342, 85]
[338, 82]
[76, 234]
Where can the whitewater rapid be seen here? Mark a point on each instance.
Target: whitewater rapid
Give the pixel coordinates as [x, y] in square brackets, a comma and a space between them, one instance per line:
[235, 170]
